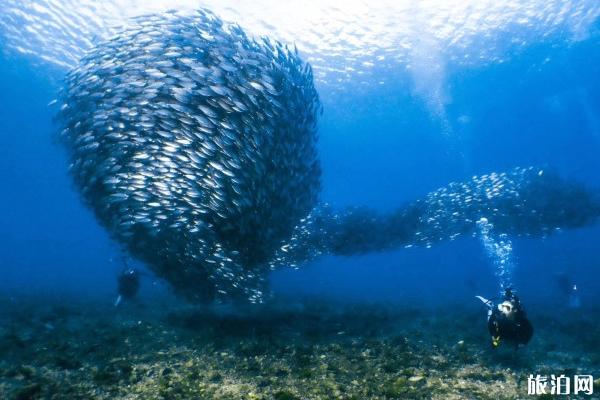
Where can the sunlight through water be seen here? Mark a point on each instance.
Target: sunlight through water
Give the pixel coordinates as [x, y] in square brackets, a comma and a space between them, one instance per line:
[354, 41]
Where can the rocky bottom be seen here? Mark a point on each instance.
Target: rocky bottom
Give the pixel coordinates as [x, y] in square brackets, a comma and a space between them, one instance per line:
[53, 349]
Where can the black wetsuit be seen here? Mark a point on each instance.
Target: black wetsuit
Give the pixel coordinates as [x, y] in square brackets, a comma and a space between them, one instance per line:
[129, 283]
[516, 328]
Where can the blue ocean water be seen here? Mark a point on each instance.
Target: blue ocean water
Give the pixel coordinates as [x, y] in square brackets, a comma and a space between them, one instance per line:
[515, 94]
[416, 95]
[536, 109]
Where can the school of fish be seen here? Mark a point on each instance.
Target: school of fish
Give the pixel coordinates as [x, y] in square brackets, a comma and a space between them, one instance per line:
[195, 147]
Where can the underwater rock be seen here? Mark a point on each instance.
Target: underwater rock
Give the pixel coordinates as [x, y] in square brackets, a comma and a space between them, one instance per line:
[178, 362]
[285, 395]
[195, 146]
[28, 392]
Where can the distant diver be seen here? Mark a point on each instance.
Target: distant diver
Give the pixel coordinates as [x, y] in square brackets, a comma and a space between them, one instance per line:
[574, 299]
[569, 290]
[128, 281]
[196, 148]
[507, 321]
[128, 285]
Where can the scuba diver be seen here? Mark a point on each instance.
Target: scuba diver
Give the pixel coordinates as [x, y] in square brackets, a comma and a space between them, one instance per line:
[128, 284]
[128, 281]
[569, 290]
[507, 320]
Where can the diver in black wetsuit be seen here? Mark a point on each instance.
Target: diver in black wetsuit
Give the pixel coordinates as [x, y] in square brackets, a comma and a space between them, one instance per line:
[128, 284]
[568, 288]
[507, 321]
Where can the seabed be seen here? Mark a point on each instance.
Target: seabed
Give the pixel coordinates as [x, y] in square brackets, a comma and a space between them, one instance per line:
[51, 349]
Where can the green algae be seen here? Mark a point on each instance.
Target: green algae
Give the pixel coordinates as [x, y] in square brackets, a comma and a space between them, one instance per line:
[319, 352]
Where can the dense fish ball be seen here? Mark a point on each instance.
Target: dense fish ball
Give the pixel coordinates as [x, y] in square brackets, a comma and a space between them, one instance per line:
[195, 146]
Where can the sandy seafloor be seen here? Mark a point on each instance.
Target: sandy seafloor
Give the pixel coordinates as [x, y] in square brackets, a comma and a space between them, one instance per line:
[76, 349]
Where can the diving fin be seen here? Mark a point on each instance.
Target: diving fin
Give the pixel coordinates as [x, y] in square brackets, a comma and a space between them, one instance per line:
[486, 301]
